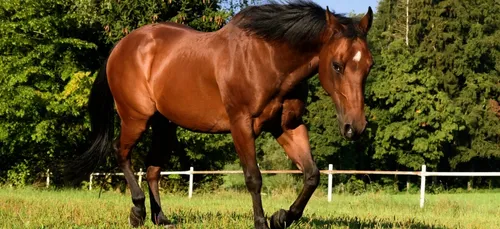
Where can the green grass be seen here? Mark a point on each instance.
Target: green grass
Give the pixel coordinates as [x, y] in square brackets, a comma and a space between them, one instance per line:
[38, 208]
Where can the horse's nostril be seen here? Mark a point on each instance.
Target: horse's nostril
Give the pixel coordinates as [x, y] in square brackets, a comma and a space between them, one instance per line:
[348, 130]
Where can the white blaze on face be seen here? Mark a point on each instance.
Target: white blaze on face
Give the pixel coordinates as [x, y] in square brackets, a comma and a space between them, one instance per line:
[357, 57]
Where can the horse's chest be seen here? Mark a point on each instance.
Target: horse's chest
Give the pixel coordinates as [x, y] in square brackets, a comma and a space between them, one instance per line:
[270, 114]
[279, 113]
[283, 110]
[272, 109]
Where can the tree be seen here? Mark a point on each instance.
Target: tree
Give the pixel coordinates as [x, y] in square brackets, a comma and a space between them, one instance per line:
[434, 100]
[42, 68]
[50, 52]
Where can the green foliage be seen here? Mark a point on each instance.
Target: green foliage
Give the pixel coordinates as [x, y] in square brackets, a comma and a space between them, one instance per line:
[50, 51]
[41, 54]
[430, 99]
[118, 18]
[271, 155]
[18, 175]
[234, 182]
[355, 186]
[433, 101]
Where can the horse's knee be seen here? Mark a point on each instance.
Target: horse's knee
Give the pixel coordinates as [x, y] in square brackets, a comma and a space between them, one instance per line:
[311, 177]
[253, 180]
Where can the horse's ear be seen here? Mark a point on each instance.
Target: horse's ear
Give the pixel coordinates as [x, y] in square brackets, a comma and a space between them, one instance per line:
[331, 21]
[366, 22]
[328, 15]
[332, 24]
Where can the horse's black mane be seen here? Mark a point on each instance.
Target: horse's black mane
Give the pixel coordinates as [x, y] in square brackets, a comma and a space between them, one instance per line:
[298, 22]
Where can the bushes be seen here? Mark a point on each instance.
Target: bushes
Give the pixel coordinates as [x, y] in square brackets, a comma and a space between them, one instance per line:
[18, 175]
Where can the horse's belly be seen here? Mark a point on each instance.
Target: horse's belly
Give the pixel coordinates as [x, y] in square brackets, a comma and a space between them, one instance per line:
[192, 105]
[195, 116]
[193, 121]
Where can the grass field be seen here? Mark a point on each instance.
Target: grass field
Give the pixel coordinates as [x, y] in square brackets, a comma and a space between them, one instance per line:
[38, 208]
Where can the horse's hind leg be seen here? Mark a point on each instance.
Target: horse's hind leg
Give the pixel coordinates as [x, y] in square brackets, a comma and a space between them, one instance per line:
[131, 130]
[164, 142]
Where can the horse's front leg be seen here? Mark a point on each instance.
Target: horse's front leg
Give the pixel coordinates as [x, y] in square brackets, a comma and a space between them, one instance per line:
[244, 141]
[295, 142]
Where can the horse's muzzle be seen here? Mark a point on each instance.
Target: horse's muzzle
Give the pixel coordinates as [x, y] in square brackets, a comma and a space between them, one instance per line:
[352, 132]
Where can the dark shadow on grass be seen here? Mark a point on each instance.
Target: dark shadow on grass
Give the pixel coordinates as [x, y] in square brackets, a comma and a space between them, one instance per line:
[352, 222]
[355, 222]
[197, 217]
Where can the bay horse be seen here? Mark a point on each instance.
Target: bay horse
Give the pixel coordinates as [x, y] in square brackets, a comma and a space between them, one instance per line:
[248, 77]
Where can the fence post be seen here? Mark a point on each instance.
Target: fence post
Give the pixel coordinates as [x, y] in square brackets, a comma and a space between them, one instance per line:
[140, 177]
[48, 178]
[191, 182]
[330, 182]
[90, 181]
[422, 186]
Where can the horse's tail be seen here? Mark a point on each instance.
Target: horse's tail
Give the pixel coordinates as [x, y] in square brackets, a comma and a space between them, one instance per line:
[101, 110]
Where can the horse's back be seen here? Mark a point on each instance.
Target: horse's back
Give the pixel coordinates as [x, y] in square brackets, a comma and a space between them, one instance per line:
[166, 67]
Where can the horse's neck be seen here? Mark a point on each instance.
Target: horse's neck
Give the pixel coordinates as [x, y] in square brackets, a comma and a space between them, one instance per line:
[299, 74]
[282, 58]
[292, 66]
[296, 67]
[296, 62]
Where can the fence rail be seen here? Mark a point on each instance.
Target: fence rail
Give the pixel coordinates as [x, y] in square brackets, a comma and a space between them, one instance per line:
[330, 172]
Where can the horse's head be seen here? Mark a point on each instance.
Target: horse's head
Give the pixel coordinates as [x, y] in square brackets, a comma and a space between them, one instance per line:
[344, 64]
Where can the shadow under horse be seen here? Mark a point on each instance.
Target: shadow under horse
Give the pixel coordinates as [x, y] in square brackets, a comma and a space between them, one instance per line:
[248, 77]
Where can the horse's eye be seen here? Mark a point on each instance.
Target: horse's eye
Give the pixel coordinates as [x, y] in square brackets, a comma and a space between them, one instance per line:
[337, 67]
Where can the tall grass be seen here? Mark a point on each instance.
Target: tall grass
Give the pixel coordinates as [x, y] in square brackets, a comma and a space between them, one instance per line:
[39, 208]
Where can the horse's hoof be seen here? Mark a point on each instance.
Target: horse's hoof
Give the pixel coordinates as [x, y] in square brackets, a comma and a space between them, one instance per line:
[261, 223]
[278, 220]
[161, 219]
[137, 216]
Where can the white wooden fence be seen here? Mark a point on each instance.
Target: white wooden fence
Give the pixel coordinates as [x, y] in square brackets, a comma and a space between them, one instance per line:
[423, 174]
[191, 172]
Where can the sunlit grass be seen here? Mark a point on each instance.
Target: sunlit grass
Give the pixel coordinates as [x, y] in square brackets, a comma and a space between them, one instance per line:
[38, 208]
